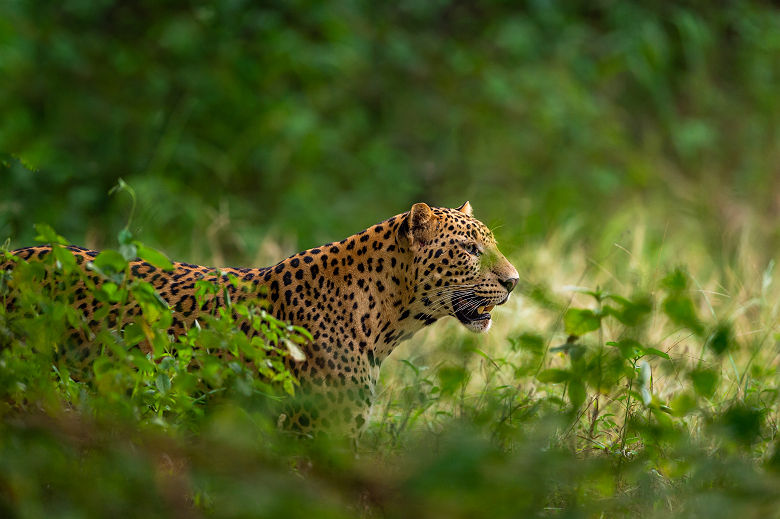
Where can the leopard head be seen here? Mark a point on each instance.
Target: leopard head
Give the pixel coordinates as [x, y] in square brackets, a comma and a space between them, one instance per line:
[455, 267]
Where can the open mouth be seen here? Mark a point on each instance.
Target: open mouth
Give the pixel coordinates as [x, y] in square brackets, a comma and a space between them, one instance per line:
[470, 314]
[473, 310]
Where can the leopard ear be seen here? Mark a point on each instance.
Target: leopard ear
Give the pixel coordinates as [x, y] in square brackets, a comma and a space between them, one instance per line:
[419, 216]
[466, 209]
[417, 228]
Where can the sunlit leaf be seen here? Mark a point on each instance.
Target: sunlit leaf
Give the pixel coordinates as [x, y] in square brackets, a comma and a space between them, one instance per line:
[647, 397]
[295, 351]
[48, 235]
[156, 258]
[578, 321]
[656, 353]
[683, 404]
[645, 373]
[133, 334]
[110, 262]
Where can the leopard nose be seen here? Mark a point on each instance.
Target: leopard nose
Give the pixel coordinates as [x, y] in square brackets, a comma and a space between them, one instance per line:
[509, 283]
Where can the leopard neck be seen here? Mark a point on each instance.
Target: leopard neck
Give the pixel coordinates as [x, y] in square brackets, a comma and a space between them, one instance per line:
[356, 296]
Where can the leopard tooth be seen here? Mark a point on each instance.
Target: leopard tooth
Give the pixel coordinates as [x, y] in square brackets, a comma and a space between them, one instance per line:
[480, 309]
[489, 308]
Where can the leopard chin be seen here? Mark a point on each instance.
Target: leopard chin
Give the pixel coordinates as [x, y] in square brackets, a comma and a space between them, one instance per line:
[479, 325]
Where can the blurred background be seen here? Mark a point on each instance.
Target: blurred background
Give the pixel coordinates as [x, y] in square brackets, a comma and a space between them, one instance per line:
[628, 147]
[250, 131]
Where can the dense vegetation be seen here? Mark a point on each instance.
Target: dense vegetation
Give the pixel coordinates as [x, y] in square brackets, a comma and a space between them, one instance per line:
[625, 153]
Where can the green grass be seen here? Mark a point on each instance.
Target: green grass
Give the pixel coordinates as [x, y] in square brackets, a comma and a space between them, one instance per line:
[633, 374]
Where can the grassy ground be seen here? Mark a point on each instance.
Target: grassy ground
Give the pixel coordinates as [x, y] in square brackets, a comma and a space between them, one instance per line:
[633, 374]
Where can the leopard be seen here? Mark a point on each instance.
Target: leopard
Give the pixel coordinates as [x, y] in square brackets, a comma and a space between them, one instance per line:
[359, 298]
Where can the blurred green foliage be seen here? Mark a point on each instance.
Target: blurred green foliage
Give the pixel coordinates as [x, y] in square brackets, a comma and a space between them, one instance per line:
[631, 148]
[618, 421]
[316, 119]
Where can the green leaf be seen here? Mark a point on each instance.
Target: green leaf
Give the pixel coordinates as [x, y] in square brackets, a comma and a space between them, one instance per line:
[110, 262]
[65, 258]
[683, 404]
[163, 383]
[303, 332]
[597, 294]
[531, 342]
[705, 382]
[125, 237]
[577, 393]
[633, 349]
[553, 375]
[676, 281]
[141, 362]
[656, 353]
[133, 334]
[128, 251]
[155, 257]
[680, 310]
[295, 352]
[632, 312]
[721, 339]
[110, 292]
[288, 386]
[411, 366]
[578, 321]
[618, 299]
[576, 351]
[47, 235]
[629, 348]
[451, 378]
[743, 423]
[152, 304]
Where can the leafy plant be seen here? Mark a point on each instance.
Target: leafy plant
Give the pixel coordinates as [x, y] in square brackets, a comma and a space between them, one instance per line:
[126, 362]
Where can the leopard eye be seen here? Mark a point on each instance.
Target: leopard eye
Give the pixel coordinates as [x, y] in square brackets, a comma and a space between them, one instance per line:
[473, 249]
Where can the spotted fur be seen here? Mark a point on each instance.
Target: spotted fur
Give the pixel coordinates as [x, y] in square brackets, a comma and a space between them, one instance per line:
[359, 297]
